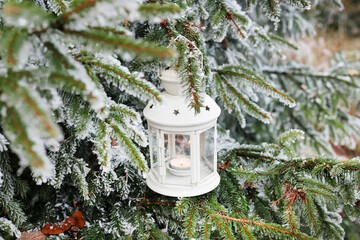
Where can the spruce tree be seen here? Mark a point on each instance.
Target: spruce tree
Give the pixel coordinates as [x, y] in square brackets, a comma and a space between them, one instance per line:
[76, 74]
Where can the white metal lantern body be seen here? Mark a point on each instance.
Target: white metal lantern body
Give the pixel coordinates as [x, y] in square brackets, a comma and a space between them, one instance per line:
[183, 155]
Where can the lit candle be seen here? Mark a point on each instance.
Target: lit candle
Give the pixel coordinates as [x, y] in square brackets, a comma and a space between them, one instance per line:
[180, 163]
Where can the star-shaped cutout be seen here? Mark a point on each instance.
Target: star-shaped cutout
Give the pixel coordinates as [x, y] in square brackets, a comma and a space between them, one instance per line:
[176, 112]
[207, 108]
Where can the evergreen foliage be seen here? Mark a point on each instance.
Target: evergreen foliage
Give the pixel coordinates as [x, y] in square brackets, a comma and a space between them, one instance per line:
[75, 76]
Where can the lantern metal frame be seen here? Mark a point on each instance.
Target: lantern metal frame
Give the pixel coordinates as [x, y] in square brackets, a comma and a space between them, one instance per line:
[162, 122]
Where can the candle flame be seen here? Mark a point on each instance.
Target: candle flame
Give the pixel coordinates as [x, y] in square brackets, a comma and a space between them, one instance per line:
[181, 161]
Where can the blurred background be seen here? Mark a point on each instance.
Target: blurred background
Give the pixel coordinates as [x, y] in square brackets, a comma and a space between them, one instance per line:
[336, 33]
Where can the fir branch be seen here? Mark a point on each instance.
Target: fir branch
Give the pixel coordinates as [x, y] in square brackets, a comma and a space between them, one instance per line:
[291, 219]
[230, 17]
[206, 229]
[125, 111]
[290, 136]
[229, 233]
[103, 152]
[245, 232]
[141, 85]
[124, 42]
[46, 121]
[16, 13]
[315, 183]
[256, 155]
[234, 191]
[83, 115]
[8, 227]
[282, 40]
[156, 8]
[220, 14]
[191, 224]
[157, 234]
[58, 57]
[223, 91]
[272, 9]
[340, 78]
[192, 86]
[11, 60]
[336, 230]
[256, 81]
[212, 215]
[249, 107]
[268, 226]
[181, 60]
[310, 214]
[67, 139]
[21, 135]
[190, 69]
[68, 81]
[12, 209]
[93, 76]
[57, 6]
[80, 6]
[321, 192]
[109, 30]
[79, 170]
[130, 145]
[11, 42]
[303, 3]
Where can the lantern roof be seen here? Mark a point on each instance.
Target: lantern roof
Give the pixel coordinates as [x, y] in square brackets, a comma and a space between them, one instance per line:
[174, 112]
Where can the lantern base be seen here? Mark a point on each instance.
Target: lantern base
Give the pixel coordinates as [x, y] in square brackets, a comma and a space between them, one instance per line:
[203, 187]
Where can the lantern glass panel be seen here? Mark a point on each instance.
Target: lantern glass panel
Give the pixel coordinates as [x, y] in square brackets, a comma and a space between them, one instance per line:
[154, 150]
[167, 144]
[207, 153]
[182, 145]
[177, 158]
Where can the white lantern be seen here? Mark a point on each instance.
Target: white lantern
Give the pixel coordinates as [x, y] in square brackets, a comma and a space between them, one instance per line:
[182, 144]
